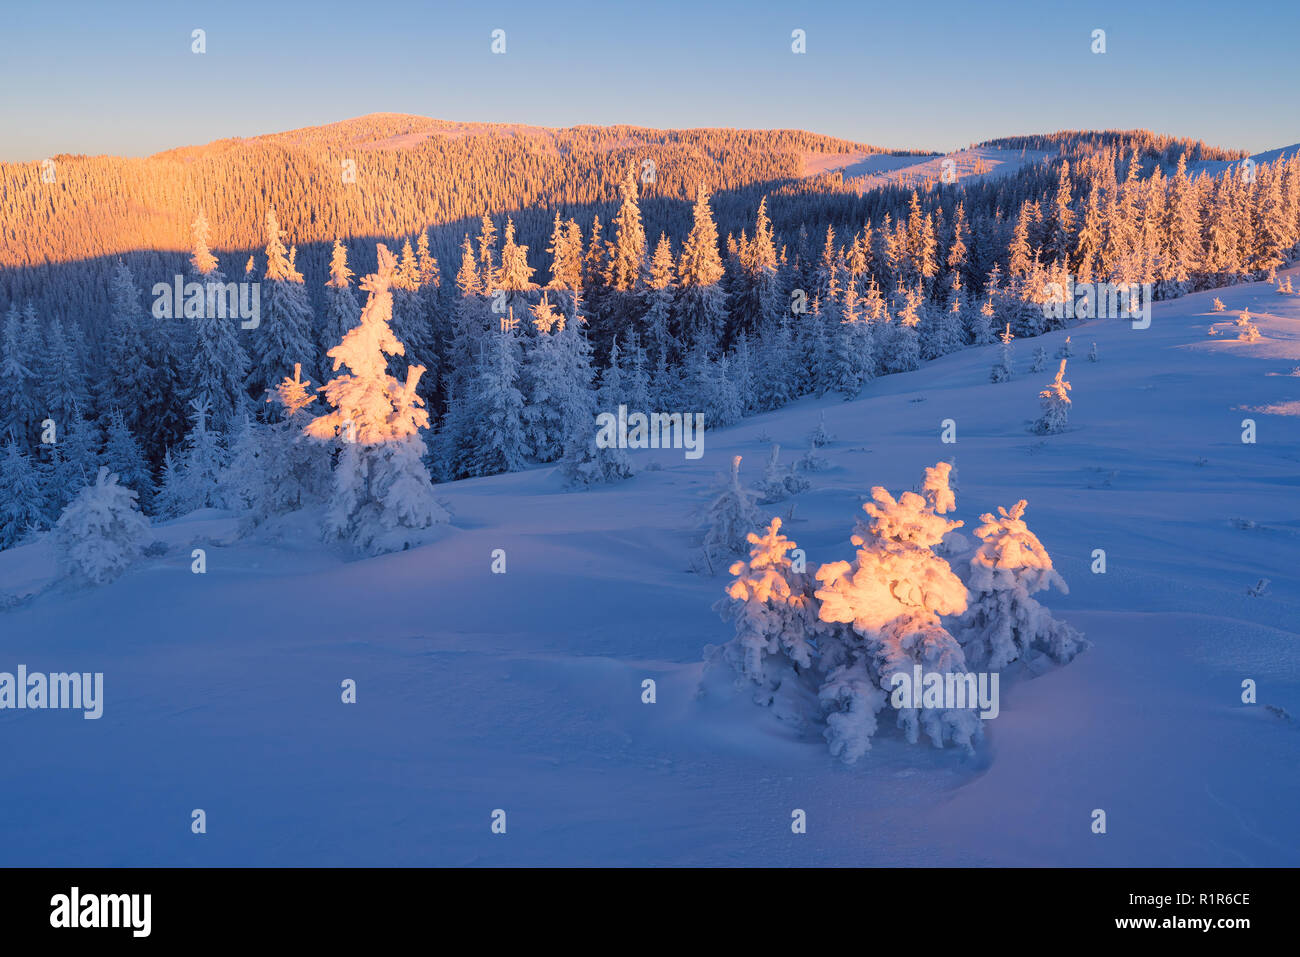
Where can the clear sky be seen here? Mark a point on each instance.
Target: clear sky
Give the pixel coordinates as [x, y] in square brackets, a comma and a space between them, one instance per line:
[120, 77]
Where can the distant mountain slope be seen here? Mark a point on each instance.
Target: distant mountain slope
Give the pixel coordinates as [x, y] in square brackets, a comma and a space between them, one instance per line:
[410, 173]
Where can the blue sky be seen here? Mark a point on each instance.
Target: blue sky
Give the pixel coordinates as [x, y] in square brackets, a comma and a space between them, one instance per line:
[98, 77]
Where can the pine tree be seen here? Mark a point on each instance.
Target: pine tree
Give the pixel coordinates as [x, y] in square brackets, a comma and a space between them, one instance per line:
[382, 491]
[171, 499]
[566, 256]
[342, 313]
[129, 371]
[218, 366]
[275, 467]
[853, 349]
[202, 463]
[1003, 622]
[75, 461]
[22, 495]
[100, 533]
[892, 596]
[18, 412]
[283, 337]
[66, 396]
[1056, 405]
[1040, 360]
[659, 296]
[499, 407]
[558, 376]
[125, 459]
[730, 518]
[775, 613]
[1004, 371]
[627, 251]
[700, 302]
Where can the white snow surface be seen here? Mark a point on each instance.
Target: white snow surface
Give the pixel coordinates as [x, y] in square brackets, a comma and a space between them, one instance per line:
[522, 691]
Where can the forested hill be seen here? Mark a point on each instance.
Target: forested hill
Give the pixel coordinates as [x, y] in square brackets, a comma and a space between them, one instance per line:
[376, 175]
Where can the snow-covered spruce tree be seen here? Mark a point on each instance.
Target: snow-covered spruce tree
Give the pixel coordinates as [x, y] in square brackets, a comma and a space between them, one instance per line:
[1003, 622]
[587, 462]
[124, 458]
[551, 391]
[75, 461]
[128, 361]
[775, 613]
[342, 312]
[283, 337]
[780, 482]
[1004, 370]
[1055, 401]
[730, 518]
[170, 500]
[100, 533]
[65, 392]
[892, 595]
[382, 490]
[275, 467]
[22, 495]
[498, 406]
[1065, 352]
[1092, 353]
[19, 401]
[411, 322]
[202, 463]
[701, 302]
[218, 366]
[853, 348]
[1040, 360]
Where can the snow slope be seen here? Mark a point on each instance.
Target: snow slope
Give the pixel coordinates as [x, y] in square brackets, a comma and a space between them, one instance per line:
[1215, 167]
[868, 171]
[522, 691]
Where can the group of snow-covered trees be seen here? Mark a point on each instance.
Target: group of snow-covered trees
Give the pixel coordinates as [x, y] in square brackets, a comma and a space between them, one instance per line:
[917, 593]
[517, 364]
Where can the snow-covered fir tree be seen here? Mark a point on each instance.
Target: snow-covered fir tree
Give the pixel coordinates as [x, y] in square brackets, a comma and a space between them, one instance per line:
[22, 495]
[100, 533]
[1004, 369]
[275, 467]
[218, 365]
[775, 614]
[730, 518]
[202, 464]
[283, 337]
[701, 302]
[502, 445]
[780, 481]
[342, 312]
[382, 492]
[125, 459]
[1055, 401]
[1003, 622]
[893, 596]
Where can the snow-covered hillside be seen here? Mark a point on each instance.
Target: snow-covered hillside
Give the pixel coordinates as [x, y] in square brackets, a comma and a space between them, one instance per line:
[522, 691]
[868, 171]
[1215, 167]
